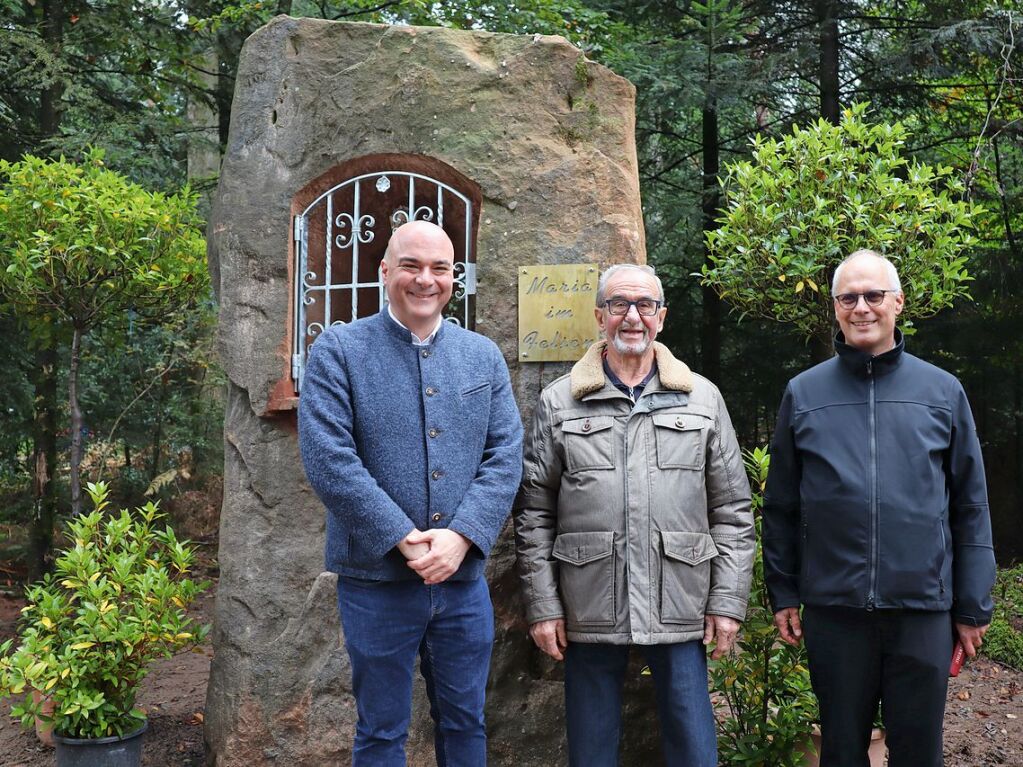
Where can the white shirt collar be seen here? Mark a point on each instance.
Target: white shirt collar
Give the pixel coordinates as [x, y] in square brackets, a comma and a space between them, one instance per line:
[416, 340]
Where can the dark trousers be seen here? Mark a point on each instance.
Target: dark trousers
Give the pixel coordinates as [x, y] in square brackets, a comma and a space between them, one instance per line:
[897, 657]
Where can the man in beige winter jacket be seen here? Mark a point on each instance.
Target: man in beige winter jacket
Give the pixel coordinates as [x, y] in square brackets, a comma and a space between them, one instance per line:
[633, 527]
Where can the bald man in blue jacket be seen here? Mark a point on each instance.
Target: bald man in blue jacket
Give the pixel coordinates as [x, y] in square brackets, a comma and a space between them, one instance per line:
[410, 436]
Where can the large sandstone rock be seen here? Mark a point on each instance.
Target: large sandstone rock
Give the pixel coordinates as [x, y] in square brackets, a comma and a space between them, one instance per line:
[548, 136]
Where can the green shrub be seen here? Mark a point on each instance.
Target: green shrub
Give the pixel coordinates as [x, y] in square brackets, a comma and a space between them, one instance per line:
[1004, 640]
[766, 683]
[807, 199]
[114, 603]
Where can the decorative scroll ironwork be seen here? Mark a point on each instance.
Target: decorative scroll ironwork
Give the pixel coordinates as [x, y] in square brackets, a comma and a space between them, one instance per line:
[307, 297]
[464, 278]
[363, 235]
[401, 216]
[334, 299]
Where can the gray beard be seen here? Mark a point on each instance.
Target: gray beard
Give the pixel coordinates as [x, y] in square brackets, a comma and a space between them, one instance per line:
[638, 348]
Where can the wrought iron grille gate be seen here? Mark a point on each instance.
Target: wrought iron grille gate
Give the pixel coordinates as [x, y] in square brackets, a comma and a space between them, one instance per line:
[341, 236]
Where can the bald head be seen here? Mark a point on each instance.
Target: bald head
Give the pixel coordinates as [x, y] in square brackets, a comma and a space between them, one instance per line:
[419, 235]
[418, 272]
[865, 254]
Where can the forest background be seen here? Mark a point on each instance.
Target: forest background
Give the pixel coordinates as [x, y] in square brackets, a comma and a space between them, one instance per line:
[150, 83]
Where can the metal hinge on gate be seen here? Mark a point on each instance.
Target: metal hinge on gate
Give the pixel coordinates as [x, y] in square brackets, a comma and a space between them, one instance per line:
[470, 279]
[298, 358]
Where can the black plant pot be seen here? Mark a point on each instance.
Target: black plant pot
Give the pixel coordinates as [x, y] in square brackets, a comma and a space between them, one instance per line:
[114, 751]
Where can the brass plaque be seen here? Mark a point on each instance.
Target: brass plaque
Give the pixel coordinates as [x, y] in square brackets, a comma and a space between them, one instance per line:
[556, 303]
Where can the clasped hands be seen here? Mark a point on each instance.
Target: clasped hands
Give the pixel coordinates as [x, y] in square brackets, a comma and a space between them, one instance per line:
[434, 554]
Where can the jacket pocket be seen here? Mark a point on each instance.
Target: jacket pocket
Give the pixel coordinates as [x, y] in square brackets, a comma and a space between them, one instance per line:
[355, 555]
[685, 576]
[476, 388]
[681, 439]
[944, 573]
[588, 443]
[587, 577]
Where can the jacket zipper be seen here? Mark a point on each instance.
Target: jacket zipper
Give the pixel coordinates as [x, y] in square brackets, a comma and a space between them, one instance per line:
[874, 511]
[627, 564]
[625, 524]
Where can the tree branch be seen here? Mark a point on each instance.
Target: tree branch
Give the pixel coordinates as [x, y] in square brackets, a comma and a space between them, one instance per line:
[1005, 72]
[159, 376]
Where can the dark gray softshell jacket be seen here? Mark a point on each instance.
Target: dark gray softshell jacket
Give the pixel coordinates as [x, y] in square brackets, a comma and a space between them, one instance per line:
[876, 495]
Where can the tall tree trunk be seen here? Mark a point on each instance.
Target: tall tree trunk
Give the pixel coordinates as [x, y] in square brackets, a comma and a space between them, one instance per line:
[44, 427]
[1010, 235]
[49, 100]
[821, 347]
[204, 141]
[710, 329]
[1018, 423]
[76, 423]
[827, 19]
[154, 467]
[227, 50]
[44, 454]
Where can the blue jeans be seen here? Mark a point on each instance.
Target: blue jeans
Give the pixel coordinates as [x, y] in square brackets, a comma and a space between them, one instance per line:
[593, 703]
[451, 627]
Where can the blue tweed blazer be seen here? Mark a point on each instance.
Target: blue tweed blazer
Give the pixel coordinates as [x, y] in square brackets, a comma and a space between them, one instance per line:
[395, 436]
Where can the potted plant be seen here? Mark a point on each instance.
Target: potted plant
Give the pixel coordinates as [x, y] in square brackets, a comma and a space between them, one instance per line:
[875, 753]
[115, 602]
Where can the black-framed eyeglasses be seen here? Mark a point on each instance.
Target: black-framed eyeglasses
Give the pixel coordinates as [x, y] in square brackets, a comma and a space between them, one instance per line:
[872, 297]
[619, 307]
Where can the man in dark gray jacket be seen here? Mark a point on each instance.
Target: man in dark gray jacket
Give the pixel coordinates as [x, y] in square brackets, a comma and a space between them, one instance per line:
[633, 527]
[876, 521]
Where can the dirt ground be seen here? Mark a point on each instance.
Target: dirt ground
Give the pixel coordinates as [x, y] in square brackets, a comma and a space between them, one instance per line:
[984, 717]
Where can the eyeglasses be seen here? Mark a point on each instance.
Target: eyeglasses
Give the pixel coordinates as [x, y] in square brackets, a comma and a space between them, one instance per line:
[872, 297]
[619, 307]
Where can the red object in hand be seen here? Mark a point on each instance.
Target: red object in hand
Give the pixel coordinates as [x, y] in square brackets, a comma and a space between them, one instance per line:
[958, 656]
